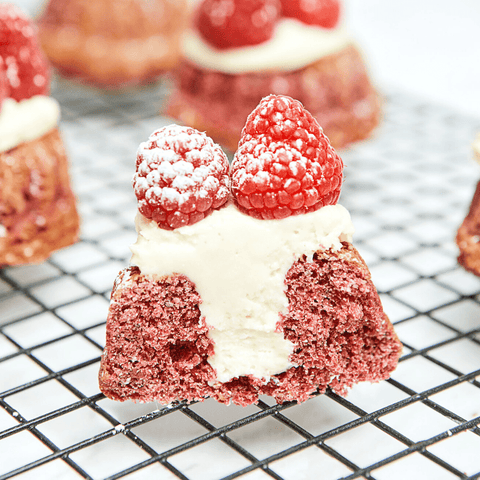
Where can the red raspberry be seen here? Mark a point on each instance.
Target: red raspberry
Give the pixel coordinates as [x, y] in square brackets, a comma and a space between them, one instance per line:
[324, 13]
[236, 23]
[4, 88]
[284, 164]
[181, 177]
[28, 71]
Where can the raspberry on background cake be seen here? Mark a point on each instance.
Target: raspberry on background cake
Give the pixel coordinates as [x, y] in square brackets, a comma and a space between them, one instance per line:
[243, 280]
[113, 43]
[37, 207]
[239, 51]
[468, 235]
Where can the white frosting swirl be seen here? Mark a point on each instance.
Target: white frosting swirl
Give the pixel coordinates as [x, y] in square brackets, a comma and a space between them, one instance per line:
[293, 45]
[26, 120]
[238, 264]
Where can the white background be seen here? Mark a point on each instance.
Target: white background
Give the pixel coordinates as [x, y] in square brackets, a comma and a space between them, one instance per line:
[430, 48]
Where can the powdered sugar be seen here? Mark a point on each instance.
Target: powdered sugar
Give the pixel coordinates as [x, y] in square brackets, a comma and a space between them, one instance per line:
[181, 176]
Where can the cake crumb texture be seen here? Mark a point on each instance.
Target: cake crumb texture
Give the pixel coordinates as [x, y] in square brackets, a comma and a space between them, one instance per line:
[158, 346]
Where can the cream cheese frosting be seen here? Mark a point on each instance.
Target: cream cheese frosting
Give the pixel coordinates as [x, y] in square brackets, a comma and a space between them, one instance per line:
[294, 45]
[26, 120]
[238, 264]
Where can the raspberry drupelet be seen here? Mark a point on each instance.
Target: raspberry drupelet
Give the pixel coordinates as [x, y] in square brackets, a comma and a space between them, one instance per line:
[324, 13]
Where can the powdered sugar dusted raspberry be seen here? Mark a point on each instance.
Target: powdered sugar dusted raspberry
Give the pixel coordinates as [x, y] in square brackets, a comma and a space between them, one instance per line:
[234, 23]
[181, 177]
[324, 13]
[284, 164]
[26, 68]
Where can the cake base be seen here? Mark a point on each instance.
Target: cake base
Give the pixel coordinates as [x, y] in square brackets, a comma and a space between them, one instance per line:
[112, 44]
[157, 344]
[336, 90]
[37, 207]
[468, 236]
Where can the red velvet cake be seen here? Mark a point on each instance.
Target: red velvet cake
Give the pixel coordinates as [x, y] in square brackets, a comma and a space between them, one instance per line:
[113, 43]
[232, 57]
[244, 281]
[37, 207]
[468, 235]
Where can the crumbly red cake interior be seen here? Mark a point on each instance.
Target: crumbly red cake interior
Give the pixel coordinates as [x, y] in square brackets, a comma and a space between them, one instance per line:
[157, 342]
[335, 89]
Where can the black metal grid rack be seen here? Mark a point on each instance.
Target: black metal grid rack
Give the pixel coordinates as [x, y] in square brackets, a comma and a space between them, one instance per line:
[407, 189]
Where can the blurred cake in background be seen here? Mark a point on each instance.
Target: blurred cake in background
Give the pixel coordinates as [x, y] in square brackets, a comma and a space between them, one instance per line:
[113, 43]
[37, 207]
[468, 235]
[239, 51]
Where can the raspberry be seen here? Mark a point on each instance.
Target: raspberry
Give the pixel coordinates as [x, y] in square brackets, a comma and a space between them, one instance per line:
[284, 164]
[4, 88]
[324, 13]
[181, 177]
[236, 23]
[27, 69]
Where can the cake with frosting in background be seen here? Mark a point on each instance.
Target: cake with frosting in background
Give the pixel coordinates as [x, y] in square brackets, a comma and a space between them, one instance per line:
[243, 280]
[113, 43]
[38, 212]
[238, 51]
[468, 235]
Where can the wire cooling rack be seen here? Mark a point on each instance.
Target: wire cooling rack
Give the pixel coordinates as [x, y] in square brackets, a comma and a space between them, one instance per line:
[407, 189]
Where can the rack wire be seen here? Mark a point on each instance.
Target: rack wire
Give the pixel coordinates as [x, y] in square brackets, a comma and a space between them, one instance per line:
[407, 188]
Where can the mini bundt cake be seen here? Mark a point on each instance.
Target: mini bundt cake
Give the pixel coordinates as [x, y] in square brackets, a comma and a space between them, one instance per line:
[244, 280]
[113, 43]
[231, 58]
